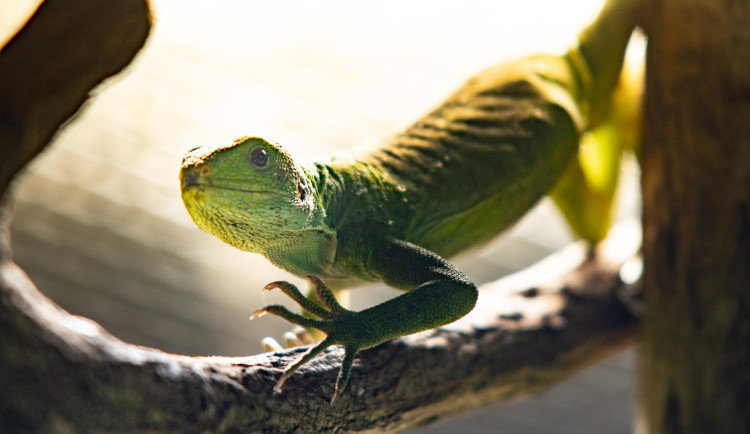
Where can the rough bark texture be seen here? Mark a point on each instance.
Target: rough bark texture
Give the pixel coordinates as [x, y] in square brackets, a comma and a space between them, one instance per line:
[695, 366]
[59, 371]
[63, 373]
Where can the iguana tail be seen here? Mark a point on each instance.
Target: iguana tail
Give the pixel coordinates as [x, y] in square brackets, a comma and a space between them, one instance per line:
[599, 54]
[608, 105]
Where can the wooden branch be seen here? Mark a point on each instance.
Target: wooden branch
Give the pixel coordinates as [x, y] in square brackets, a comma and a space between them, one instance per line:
[62, 372]
[57, 368]
[49, 67]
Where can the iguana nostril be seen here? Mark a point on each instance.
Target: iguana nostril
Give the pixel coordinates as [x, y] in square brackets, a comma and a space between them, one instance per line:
[189, 177]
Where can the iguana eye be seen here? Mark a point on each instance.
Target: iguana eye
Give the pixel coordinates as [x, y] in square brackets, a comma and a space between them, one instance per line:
[259, 157]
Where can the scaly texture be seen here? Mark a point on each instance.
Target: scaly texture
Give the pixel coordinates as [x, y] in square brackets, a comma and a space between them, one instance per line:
[451, 181]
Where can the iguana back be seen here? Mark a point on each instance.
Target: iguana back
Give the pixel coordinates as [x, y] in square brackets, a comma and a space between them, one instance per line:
[474, 165]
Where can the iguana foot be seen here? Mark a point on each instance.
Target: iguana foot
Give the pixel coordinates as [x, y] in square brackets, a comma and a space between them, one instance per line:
[340, 325]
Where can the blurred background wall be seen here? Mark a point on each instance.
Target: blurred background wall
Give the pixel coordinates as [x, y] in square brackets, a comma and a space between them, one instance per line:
[99, 224]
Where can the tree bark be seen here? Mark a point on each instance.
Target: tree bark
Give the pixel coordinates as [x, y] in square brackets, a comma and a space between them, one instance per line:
[64, 373]
[61, 372]
[695, 364]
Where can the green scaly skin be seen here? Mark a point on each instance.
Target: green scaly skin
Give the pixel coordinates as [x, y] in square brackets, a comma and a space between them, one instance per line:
[451, 181]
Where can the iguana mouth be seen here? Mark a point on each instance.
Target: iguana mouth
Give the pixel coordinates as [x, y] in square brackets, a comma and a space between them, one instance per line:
[192, 179]
[238, 189]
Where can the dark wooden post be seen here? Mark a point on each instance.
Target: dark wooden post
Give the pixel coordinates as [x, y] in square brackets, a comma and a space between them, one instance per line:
[695, 366]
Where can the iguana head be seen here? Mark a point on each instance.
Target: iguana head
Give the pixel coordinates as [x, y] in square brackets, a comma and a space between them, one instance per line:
[247, 193]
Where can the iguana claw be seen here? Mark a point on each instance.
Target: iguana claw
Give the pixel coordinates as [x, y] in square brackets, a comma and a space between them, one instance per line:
[334, 318]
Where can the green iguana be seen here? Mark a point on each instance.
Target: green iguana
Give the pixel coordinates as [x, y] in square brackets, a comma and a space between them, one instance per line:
[453, 180]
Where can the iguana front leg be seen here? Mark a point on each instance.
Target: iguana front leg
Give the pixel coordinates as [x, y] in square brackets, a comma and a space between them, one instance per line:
[438, 294]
